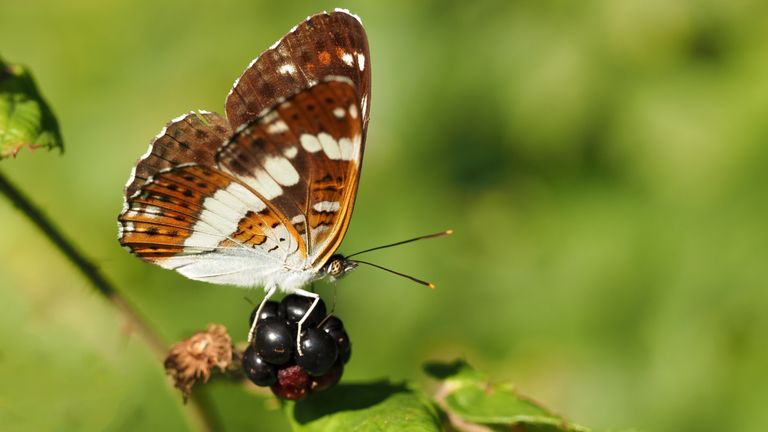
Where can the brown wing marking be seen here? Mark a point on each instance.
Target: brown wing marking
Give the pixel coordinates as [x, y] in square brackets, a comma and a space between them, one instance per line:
[255, 227]
[341, 222]
[326, 44]
[192, 138]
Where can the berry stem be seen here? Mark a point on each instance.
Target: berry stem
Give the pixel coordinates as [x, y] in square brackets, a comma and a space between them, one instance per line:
[199, 414]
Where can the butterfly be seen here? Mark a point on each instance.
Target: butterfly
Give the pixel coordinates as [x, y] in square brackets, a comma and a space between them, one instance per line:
[263, 195]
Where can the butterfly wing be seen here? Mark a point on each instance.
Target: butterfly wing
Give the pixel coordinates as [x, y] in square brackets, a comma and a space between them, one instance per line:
[191, 138]
[198, 220]
[269, 205]
[326, 44]
[306, 154]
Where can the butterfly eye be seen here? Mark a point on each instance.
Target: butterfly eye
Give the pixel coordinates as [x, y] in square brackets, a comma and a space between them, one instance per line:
[335, 268]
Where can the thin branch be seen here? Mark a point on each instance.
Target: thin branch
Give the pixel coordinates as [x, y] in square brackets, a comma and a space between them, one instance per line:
[54, 235]
[198, 413]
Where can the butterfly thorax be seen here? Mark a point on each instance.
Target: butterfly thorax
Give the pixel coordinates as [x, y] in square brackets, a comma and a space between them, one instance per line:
[291, 279]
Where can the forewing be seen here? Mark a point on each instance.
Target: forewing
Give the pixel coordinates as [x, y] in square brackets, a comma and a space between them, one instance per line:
[304, 157]
[326, 44]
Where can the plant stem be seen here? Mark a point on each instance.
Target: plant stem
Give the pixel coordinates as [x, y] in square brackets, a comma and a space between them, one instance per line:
[198, 413]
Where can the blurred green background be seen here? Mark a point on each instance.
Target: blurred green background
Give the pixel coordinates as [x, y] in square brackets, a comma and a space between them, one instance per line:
[603, 163]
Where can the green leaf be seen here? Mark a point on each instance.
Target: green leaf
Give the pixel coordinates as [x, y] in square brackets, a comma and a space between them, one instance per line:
[25, 118]
[364, 407]
[467, 397]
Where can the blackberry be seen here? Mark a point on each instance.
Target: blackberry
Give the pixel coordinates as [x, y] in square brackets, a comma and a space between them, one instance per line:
[274, 341]
[270, 309]
[294, 307]
[330, 378]
[335, 328]
[331, 323]
[257, 369]
[292, 383]
[272, 359]
[318, 351]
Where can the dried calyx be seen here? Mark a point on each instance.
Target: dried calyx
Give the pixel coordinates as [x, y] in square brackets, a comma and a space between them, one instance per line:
[195, 358]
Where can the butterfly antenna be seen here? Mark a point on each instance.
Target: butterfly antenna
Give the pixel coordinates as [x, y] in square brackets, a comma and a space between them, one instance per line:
[424, 237]
[425, 283]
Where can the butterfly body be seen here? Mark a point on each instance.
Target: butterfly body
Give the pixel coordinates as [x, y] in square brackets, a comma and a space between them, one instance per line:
[263, 196]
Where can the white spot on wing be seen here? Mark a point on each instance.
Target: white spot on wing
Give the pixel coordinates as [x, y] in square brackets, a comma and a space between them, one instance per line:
[361, 61]
[346, 148]
[277, 127]
[338, 78]
[151, 211]
[290, 152]
[338, 112]
[243, 127]
[347, 59]
[310, 143]
[282, 170]
[287, 69]
[330, 146]
[353, 111]
[269, 117]
[326, 206]
[262, 183]
[318, 230]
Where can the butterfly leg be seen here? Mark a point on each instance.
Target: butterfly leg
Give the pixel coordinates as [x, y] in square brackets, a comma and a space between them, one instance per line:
[252, 331]
[316, 299]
